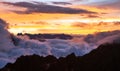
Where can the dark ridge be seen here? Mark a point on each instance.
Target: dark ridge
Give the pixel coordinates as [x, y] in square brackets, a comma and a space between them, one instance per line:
[42, 37]
[105, 58]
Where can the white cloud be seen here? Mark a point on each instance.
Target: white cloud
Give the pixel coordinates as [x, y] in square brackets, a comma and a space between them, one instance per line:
[56, 47]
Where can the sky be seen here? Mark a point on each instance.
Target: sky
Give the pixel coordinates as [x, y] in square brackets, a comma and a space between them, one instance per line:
[60, 16]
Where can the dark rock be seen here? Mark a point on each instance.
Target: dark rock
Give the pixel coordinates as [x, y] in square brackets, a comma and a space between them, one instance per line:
[42, 37]
[105, 58]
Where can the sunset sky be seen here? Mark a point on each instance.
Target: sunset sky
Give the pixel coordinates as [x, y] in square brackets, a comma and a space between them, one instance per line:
[61, 16]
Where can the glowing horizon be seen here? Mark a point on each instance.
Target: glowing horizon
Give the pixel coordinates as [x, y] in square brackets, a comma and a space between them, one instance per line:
[53, 16]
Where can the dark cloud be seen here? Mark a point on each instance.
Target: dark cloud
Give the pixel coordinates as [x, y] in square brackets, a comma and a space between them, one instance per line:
[62, 3]
[93, 16]
[90, 15]
[39, 2]
[79, 25]
[40, 23]
[117, 23]
[104, 13]
[44, 8]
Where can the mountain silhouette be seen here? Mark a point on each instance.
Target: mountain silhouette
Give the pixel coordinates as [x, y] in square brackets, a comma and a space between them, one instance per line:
[105, 58]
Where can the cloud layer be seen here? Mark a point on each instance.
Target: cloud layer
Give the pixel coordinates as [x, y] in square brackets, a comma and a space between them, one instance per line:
[79, 45]
[5, 40]
[45, 8]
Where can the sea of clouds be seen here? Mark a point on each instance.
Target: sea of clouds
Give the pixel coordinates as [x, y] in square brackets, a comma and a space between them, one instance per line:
[11, 49]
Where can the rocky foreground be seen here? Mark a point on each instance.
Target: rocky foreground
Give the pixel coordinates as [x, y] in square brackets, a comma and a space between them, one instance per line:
[105, 58]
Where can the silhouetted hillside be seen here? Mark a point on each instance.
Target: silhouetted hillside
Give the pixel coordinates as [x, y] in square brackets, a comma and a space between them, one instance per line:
[105, 58]
[42, 37]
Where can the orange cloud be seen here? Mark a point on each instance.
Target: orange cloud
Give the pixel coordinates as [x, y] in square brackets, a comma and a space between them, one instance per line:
[76, 28]
[60, 22]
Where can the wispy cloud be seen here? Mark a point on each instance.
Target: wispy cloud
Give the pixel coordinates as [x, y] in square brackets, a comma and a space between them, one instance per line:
[62, 3]
[44, 8]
